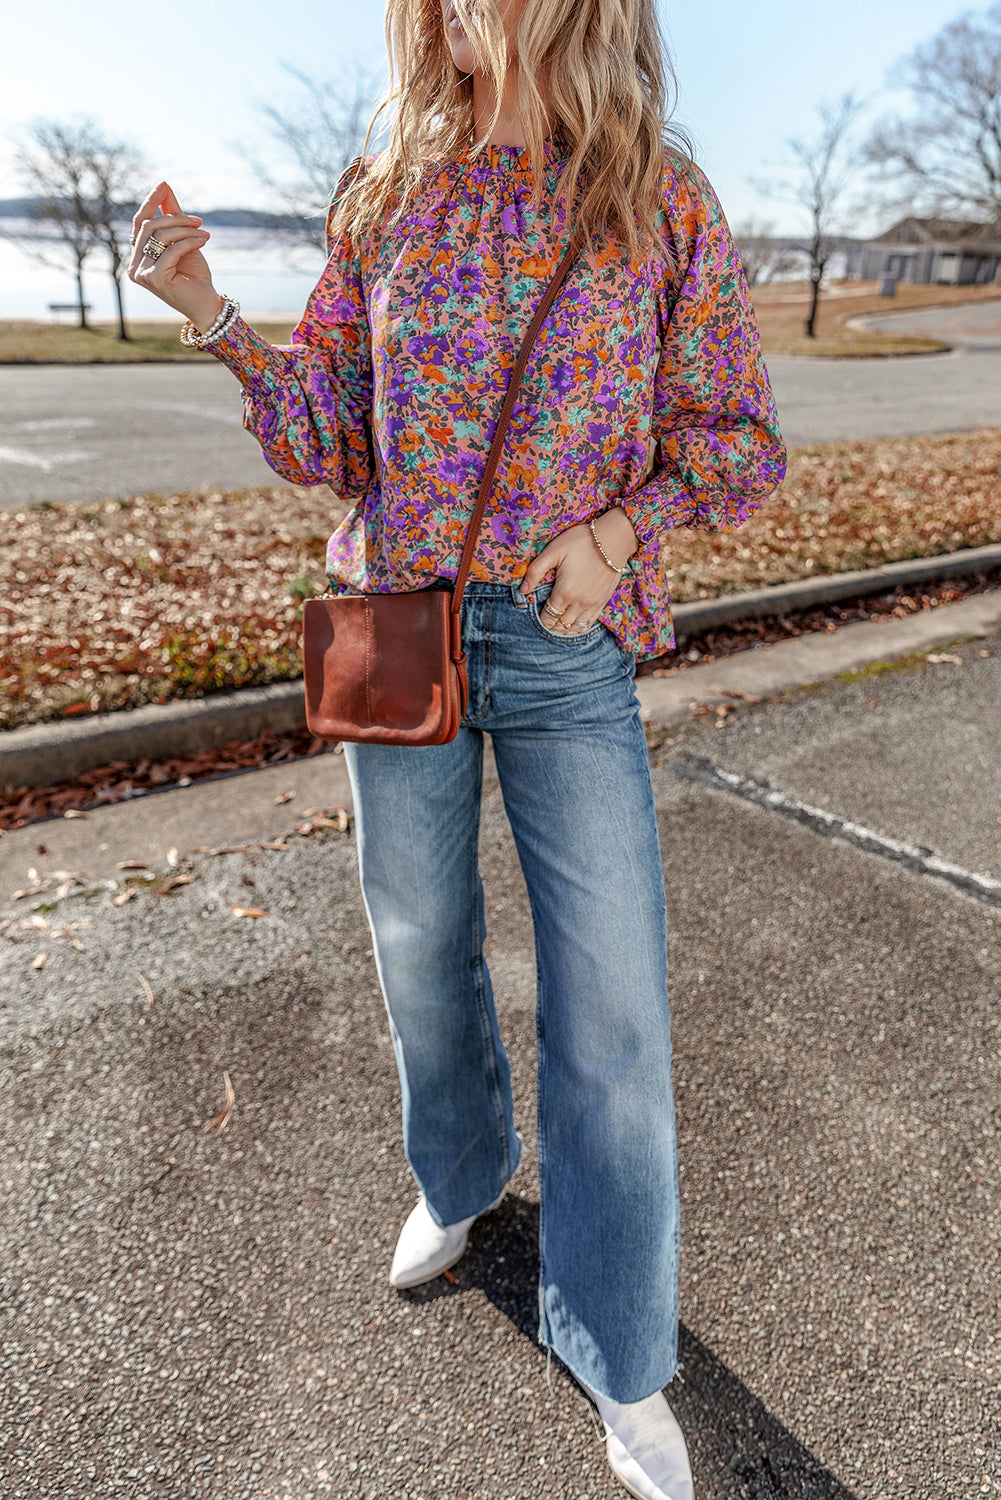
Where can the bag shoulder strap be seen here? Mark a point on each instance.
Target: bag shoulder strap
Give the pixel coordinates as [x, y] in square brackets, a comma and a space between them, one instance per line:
[493, 457]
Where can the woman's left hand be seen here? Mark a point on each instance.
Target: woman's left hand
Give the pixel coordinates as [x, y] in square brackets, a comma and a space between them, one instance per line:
[584, 582]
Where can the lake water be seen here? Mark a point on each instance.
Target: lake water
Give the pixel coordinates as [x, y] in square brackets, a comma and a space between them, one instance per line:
[262, 273]
[264, 276]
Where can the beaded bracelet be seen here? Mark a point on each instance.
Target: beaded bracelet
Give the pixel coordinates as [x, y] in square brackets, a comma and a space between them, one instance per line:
[228, 313]
[608, 560]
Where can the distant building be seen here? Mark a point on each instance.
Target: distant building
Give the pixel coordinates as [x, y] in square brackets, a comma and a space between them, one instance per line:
[948, 251]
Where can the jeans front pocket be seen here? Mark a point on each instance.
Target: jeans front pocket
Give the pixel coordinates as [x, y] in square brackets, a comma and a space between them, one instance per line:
[580, 638]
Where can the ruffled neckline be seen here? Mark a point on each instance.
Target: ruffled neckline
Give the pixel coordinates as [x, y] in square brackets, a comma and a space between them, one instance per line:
[517, 159]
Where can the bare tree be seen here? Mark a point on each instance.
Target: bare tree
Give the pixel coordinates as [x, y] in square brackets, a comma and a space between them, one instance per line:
[314, 137]
[115, 169]
[84, 186]
[762, 255]
[823, 171]
[54, 170]
[946, 156]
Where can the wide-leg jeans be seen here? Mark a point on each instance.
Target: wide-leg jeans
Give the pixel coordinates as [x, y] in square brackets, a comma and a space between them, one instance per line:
[572, 761]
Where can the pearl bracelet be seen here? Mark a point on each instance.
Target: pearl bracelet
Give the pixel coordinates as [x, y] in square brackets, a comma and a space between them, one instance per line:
[228, 313]
[608, 560]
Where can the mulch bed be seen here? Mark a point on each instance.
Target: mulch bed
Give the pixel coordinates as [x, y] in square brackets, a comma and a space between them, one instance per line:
[744, 635]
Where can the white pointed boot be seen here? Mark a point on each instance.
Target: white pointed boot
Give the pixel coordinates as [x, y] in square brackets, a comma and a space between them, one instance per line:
[426, 1249]
[646, 1447]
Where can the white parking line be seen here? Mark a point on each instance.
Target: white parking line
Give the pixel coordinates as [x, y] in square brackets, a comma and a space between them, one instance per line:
[924, 861]
[30, 460]
[49, 424]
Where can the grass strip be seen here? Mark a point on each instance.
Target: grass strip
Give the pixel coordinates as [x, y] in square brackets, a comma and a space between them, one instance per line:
[781, 309]
[25, 342]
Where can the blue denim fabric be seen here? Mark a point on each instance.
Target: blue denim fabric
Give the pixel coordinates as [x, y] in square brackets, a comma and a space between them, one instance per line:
[572, 761]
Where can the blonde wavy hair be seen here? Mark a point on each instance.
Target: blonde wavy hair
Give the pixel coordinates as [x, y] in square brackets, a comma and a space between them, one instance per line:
[605, 68]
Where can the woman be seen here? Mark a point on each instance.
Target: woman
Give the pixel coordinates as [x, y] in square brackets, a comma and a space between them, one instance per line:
[645, 406]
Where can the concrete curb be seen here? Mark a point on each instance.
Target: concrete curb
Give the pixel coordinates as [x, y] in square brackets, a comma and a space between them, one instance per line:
[789, 598]
[42, 754]
[814, 658]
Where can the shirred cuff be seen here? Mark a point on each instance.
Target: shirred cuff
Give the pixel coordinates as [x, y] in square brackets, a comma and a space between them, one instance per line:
[244, 352]
[652, 512]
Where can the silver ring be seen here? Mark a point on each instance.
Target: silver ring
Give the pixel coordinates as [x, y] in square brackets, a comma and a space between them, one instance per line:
[154, 248]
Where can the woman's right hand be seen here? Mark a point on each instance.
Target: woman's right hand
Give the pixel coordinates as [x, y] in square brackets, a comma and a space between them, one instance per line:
[180, 276]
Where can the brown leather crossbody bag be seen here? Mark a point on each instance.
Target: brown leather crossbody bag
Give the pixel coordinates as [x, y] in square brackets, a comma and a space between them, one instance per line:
[390, 668]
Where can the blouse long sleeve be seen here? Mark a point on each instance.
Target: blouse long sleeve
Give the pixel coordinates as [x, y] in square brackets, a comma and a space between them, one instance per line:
[718, 451]
[309, 403]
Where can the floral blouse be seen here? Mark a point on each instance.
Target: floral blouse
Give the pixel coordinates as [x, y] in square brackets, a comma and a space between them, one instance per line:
[646, 387]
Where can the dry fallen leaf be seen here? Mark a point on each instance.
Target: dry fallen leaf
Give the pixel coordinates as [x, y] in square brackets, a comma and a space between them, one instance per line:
[248, 911]
[172, 883]
[42, 923]
[172, 857]
[284, 797]
[131, 864]
[335, 818]
[937, 656]
[235, 849]
[122, 897]
[274, 844]
[39, 962]
[146, 986]
[74, 812]
[222, 1119]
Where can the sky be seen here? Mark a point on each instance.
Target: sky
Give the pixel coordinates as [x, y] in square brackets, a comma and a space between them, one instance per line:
[185, 81]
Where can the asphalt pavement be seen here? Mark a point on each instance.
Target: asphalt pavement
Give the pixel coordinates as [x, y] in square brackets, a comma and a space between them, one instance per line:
[70, 432]
[835, 400]
[205, 1311]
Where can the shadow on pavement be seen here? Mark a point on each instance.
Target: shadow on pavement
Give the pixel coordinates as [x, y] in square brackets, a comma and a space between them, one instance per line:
[738, 1447]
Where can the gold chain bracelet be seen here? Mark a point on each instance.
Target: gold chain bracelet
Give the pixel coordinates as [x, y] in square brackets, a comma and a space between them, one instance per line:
[608, 560]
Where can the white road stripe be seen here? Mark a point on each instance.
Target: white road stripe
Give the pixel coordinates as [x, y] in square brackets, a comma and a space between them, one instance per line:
[697, 768]
[25, 457]
[48, 424]
[31, 460]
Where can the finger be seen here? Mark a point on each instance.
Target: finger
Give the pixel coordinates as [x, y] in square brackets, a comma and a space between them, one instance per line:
[141, 261]
[163, 222]
[543, 563]
[169, 201]
[160, 269]
[148, 206]
[551, 614]
[168, 221]
[168, 235]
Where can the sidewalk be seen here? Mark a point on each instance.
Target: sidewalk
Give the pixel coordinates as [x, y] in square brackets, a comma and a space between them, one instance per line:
[205, 1312]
